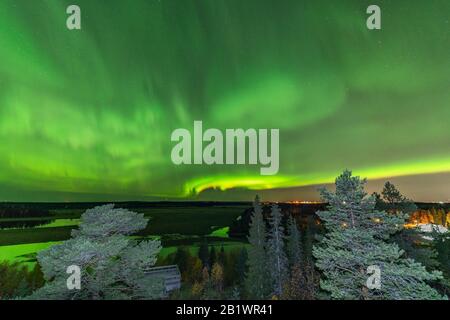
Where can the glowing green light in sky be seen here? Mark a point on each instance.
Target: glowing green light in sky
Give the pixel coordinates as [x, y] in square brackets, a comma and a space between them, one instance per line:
[88, 114]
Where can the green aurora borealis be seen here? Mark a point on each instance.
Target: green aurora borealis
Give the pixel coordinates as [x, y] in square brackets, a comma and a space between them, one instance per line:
[87, 115]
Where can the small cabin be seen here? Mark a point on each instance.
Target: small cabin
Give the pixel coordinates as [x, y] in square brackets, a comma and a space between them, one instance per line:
[170, 274]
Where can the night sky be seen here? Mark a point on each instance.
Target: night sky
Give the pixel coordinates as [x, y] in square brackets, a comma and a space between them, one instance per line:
[87, 115]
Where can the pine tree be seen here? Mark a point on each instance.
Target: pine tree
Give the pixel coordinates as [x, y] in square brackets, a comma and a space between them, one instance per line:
[435, 214]
[197, 290]
[235, 294]
[212, 256]
[203, 253]
[391, 194]
[257, 278]
[442, 244]
[277, 260]
[293, 287]
[194, 272]
[356, 238]
[221, 258]
[209, 291]
[294, 251]
[393, 201]
[241, 265]
[181, 258]
[36, 278]
[310, 283]
[309, 238]
[112, 264]
[217, 277]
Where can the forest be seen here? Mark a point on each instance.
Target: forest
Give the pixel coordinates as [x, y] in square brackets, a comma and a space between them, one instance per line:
[285, 256]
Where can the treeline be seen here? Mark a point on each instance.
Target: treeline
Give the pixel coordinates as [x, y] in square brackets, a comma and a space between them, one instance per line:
[47, 206]
[419, 213]
[303, 213]
[23, 224]
[280, 264]
[22, 212]
[361, 233]
[285, 258]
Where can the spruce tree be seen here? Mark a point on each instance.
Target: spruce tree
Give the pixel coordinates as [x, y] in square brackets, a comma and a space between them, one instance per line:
[309, 238]
[241, 266]
[212, 256]
[203, 253]
[293, 290]
[294, 251]
[257, 280]
[356, 238]
[277, 260]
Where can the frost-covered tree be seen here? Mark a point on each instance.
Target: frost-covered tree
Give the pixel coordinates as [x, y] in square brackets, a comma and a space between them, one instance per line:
[356, 238]
[257, 280]
[112, 264]
[294, 250]
[277, 260]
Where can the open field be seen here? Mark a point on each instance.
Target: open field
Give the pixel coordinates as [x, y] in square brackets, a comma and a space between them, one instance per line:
[177, 220]
[23, 252]
[26, 253]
